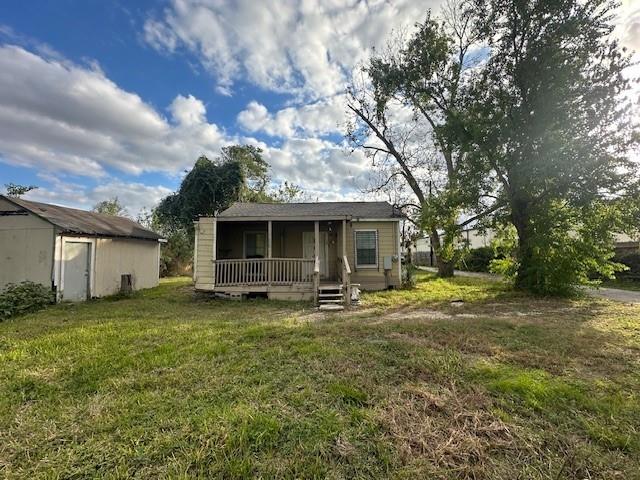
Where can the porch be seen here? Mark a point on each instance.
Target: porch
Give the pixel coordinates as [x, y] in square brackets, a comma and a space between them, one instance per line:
[283, 259]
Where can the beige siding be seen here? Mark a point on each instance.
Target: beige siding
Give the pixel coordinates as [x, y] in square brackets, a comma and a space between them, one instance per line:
[26, 248]
[374, 278]
[204, 256]
[115, 257]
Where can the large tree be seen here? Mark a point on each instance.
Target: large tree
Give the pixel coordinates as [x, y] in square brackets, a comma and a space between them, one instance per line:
[210, 186]
[552, 123]
[240, 173]
[409, 111]
[255, 171]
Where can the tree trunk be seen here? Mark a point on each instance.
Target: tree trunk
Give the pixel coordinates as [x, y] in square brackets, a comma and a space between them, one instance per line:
[525, 276]
[445, 268]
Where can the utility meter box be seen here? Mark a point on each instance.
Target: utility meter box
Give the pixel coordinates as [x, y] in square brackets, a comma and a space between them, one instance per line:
[387, 262]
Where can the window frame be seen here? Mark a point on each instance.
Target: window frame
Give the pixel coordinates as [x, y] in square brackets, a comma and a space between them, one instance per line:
[355, 249]
[244, 241]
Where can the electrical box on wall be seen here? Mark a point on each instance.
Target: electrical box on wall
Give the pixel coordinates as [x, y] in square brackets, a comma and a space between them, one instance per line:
[387, 262]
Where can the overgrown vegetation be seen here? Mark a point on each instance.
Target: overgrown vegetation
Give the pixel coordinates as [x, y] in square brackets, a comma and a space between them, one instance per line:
[240, 173]
[476, 259]
[166, 384]
[631, 261]
[18, 299]
[508, 136]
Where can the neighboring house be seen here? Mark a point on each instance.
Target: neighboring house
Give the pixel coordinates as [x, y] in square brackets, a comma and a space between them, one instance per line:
[79, 254]
[299, 250]
[423, 253]
[626, 244]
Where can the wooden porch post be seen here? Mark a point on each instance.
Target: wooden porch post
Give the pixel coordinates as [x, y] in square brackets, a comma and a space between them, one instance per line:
[215, 249]
[346, 269]
[344, 238]
[269, 249]
[316, 254]
[316, 238]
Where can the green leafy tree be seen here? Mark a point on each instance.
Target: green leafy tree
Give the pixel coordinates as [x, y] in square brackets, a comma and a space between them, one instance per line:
[16, 191]
[111, 206]
[255, 171]
[409, 112]
[209, 187]
[552, 124]
[288, 193]
[239, 174]
[176, 253]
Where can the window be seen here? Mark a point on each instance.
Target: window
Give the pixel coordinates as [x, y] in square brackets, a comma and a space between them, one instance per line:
[366, 248]
[254, 245]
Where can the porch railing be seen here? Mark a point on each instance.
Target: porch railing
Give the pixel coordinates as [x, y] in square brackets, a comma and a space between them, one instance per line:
[344, 273]
[263, 271]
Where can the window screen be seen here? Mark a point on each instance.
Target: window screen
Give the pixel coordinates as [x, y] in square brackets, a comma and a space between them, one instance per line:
[366, 248]
[254, 245]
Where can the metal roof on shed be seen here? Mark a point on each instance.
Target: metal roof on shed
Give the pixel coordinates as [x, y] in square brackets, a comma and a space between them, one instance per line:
[371, 210]
[72, 220]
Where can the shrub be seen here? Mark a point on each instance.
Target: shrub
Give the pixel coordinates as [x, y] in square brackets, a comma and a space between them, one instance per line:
[408, 275]
[476, 260]
[25, 297]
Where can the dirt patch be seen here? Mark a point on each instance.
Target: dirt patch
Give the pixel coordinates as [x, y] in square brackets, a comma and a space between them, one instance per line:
[422, 314]
[452, 431]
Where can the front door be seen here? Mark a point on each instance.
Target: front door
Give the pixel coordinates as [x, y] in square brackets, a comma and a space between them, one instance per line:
[76, 271]
[308, 244]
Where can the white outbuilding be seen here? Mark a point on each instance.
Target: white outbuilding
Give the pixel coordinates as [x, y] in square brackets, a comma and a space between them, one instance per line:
[79, 254]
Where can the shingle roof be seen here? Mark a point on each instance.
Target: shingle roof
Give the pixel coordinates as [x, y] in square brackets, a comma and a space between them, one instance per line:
[72, 220]
[378, 210]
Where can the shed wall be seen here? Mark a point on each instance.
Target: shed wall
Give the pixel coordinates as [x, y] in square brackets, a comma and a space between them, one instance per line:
[26, 248]
[116, 257]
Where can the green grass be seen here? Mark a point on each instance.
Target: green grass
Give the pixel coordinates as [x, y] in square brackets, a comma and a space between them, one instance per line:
[623, 284]
[169, 384]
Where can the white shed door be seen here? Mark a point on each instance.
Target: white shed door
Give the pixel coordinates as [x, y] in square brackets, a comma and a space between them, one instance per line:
[76, 271]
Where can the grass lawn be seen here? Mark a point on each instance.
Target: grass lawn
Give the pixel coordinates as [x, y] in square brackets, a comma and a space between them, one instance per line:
[168, 384]
[623, 284]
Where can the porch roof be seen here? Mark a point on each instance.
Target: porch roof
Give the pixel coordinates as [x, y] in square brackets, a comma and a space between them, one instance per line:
[310, 211]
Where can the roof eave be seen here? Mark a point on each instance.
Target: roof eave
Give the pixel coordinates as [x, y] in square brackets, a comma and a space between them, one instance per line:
[293, 218]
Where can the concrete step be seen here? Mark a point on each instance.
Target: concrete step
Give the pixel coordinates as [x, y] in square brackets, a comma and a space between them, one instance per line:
[331, 307]
[331, 295]
[326, 300]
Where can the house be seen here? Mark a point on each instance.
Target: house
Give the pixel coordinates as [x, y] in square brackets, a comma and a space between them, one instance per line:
[626, 244]
[79, 254]
[423, 254]
[299, 250]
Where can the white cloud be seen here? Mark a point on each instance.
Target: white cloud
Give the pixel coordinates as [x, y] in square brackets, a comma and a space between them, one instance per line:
[305, 48]
[629, 26]
[317, 164]
[133, 195]
[188, 111]
[62, 117]
[318, 118]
